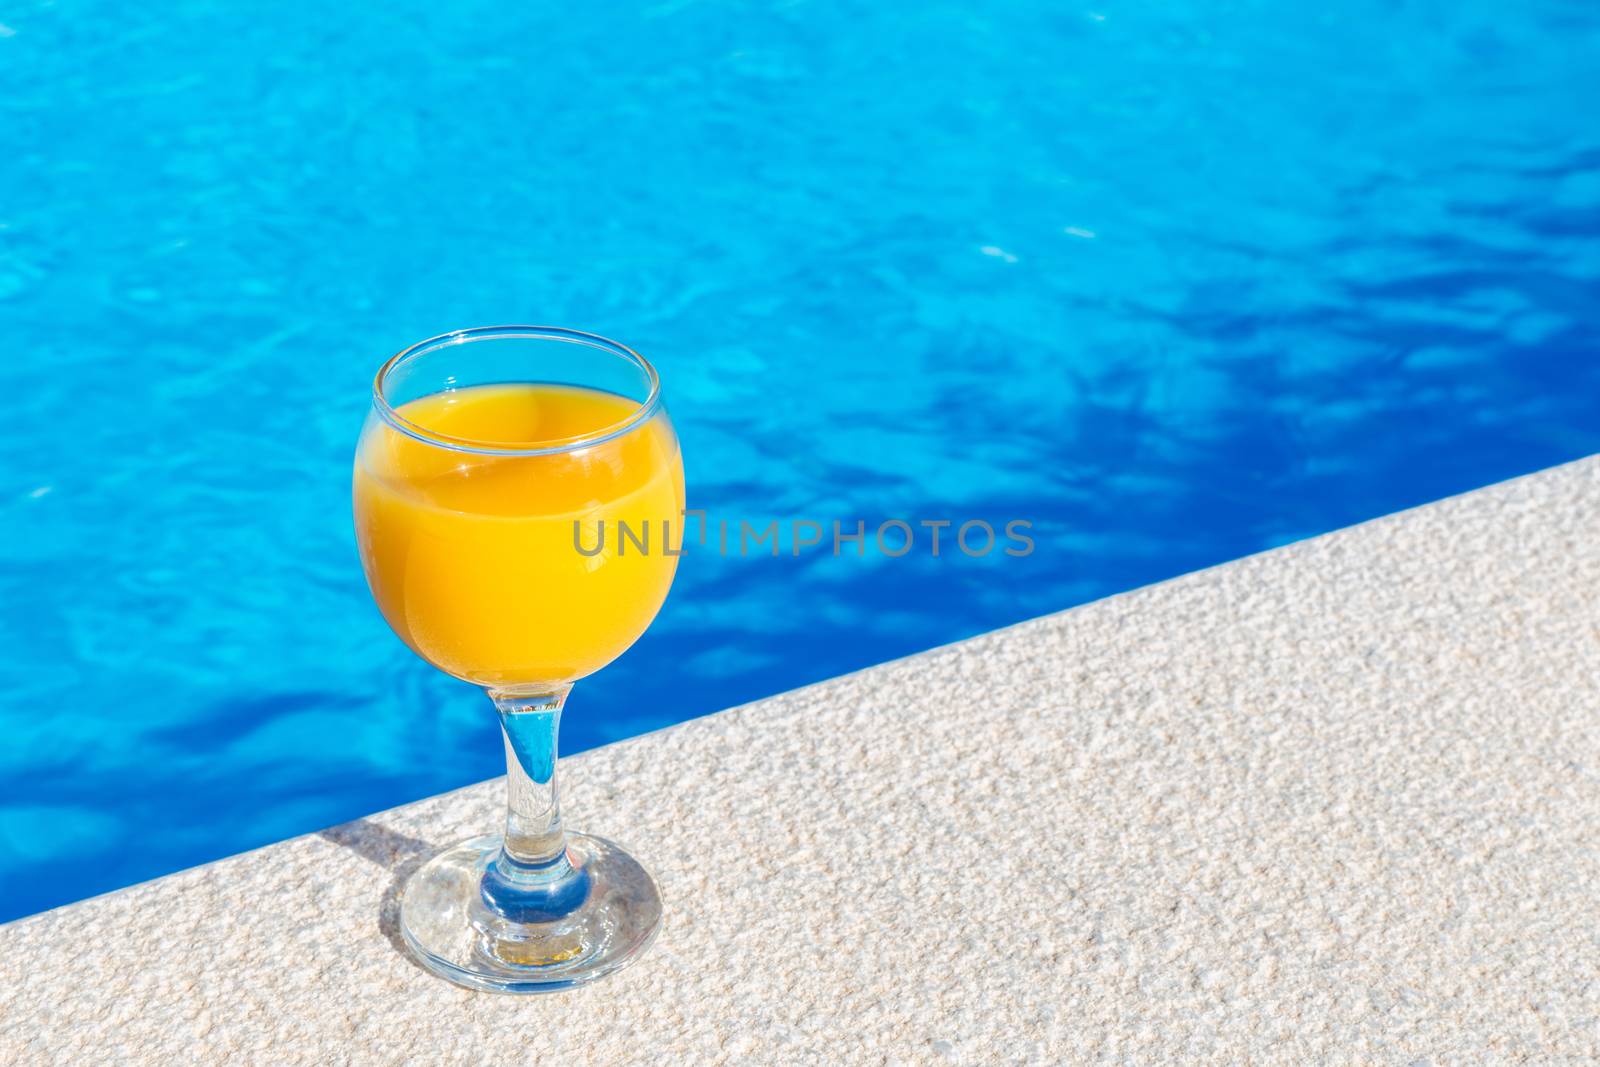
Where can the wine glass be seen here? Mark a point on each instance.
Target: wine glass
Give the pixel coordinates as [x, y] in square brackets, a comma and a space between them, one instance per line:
[518, 498]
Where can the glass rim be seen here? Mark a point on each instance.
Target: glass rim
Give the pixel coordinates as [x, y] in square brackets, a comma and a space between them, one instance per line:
[555, 446]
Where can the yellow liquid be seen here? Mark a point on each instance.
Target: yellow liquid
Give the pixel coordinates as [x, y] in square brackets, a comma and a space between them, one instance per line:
[472, 559]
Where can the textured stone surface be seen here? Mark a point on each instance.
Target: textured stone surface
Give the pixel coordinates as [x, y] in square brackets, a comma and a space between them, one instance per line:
[1338, 802]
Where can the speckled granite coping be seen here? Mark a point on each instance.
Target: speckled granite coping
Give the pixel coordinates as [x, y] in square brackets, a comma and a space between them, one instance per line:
[1335, 803]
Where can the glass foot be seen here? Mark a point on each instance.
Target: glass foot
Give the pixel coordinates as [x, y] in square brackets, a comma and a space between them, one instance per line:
[454, 933]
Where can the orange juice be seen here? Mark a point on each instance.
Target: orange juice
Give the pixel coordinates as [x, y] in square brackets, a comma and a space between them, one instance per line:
[474, 559]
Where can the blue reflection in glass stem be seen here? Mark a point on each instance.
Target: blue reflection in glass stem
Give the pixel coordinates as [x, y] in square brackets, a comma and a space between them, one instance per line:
[532, 880]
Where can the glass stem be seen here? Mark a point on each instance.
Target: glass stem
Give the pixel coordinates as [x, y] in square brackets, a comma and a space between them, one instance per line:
[532, 879]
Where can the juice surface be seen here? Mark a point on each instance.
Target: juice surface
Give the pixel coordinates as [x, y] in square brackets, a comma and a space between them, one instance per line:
[472, 558]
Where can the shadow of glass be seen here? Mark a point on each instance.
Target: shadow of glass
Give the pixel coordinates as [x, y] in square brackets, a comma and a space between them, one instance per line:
[395, 852]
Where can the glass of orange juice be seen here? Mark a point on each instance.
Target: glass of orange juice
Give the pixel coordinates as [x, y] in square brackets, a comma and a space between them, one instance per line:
[519, 503]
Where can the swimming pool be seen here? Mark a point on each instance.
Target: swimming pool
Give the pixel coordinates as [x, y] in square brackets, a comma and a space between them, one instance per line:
[1173, 285]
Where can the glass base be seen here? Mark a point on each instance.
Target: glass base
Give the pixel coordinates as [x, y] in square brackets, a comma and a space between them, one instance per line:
[455, 935]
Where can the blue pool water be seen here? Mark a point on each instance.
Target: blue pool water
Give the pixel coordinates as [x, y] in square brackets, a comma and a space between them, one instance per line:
[1173, 282]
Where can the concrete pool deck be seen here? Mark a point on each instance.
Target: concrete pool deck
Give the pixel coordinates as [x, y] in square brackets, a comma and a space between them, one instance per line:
[1339, 802]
